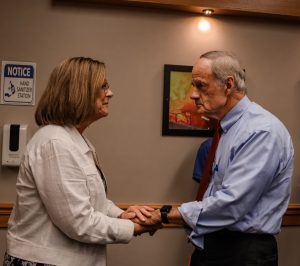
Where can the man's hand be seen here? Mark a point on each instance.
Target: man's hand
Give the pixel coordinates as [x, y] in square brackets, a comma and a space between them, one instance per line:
[154, 219]
[139, 213]
[140, 229]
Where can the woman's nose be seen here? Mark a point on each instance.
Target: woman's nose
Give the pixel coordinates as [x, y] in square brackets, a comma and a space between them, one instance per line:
[109, 93]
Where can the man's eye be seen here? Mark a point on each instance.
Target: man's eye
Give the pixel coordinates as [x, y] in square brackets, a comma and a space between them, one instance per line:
[198, 85]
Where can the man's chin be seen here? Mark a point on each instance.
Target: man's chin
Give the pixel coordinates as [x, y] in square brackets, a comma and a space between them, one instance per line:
[201, 111]
[204, 113]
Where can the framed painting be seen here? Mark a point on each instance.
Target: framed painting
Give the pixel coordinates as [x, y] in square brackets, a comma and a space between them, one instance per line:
[180, 117]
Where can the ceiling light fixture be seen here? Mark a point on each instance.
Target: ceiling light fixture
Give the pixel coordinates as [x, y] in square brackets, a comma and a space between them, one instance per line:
[207, 12]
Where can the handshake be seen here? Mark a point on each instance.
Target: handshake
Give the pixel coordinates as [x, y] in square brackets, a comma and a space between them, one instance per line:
[147, 219]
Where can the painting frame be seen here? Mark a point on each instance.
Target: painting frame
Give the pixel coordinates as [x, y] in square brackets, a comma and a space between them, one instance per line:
[182, 73]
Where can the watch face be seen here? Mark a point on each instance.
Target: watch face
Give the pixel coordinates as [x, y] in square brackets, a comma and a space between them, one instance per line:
[166, 208]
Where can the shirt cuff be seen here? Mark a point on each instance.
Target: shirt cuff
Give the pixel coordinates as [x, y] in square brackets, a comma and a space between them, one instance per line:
[190, 212]
[113, 210]
[126, 231]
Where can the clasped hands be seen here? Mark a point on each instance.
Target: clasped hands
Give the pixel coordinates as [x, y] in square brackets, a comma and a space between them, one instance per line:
[145, 219]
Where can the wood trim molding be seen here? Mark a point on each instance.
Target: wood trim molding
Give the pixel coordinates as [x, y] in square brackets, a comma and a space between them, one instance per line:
[273, 8]
[292, 215]
[290, 218]
[5, 210]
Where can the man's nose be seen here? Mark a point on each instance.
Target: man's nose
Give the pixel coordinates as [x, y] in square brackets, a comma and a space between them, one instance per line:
[195, 94]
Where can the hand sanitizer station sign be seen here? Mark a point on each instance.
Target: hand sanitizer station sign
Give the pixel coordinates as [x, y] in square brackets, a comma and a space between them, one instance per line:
[18, 83]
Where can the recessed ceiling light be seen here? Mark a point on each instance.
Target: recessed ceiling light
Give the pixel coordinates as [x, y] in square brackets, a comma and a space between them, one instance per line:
[208, 12]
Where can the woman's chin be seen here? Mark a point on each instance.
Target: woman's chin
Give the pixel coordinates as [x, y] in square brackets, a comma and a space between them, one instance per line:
[103, 114]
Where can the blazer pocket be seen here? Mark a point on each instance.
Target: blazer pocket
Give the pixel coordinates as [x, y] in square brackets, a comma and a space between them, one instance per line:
[94, 184]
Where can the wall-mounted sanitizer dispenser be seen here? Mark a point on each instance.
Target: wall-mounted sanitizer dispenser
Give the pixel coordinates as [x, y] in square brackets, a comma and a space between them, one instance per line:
[14, 143]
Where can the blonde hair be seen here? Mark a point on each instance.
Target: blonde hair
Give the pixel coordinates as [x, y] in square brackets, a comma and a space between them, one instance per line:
[69, 98]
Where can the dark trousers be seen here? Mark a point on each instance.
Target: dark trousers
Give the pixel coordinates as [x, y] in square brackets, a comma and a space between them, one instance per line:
[227, 248]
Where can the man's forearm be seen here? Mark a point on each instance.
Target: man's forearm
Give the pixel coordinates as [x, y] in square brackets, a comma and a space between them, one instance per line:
[174, 216]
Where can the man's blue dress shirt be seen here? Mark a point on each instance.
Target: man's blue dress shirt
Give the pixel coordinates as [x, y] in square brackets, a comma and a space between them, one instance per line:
[251, 182]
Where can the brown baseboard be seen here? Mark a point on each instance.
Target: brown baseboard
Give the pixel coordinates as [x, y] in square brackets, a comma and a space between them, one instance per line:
[290, 218]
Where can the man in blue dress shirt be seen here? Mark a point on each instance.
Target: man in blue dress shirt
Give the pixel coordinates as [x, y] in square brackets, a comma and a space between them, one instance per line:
[249, 189]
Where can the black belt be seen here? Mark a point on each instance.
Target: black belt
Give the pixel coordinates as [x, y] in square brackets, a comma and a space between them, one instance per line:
[224, 233]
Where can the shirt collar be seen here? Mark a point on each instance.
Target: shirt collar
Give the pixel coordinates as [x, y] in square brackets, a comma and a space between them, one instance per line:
[235, 113]
[80, 140]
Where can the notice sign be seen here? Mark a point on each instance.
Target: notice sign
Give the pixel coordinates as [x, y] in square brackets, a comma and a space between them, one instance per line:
[18, 83]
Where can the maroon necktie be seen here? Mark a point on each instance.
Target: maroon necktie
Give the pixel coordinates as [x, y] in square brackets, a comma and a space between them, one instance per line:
[209, 163]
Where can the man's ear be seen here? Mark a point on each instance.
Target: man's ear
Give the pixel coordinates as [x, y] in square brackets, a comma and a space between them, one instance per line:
[229, 85]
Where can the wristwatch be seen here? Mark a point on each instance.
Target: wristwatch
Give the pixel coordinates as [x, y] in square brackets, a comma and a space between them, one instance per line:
[164, 210]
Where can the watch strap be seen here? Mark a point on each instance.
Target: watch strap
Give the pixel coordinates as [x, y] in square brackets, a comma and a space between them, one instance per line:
[164, 210]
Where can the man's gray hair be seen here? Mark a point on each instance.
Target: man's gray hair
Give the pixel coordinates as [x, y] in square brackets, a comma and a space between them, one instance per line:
[225, 64]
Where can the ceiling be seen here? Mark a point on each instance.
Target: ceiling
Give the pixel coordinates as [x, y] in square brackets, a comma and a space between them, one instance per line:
[282, 9]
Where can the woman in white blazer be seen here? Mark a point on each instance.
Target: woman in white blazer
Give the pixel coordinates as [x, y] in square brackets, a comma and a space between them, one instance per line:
[62, 215]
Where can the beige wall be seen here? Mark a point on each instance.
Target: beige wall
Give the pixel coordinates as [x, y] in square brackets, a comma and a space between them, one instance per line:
[141, 165]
